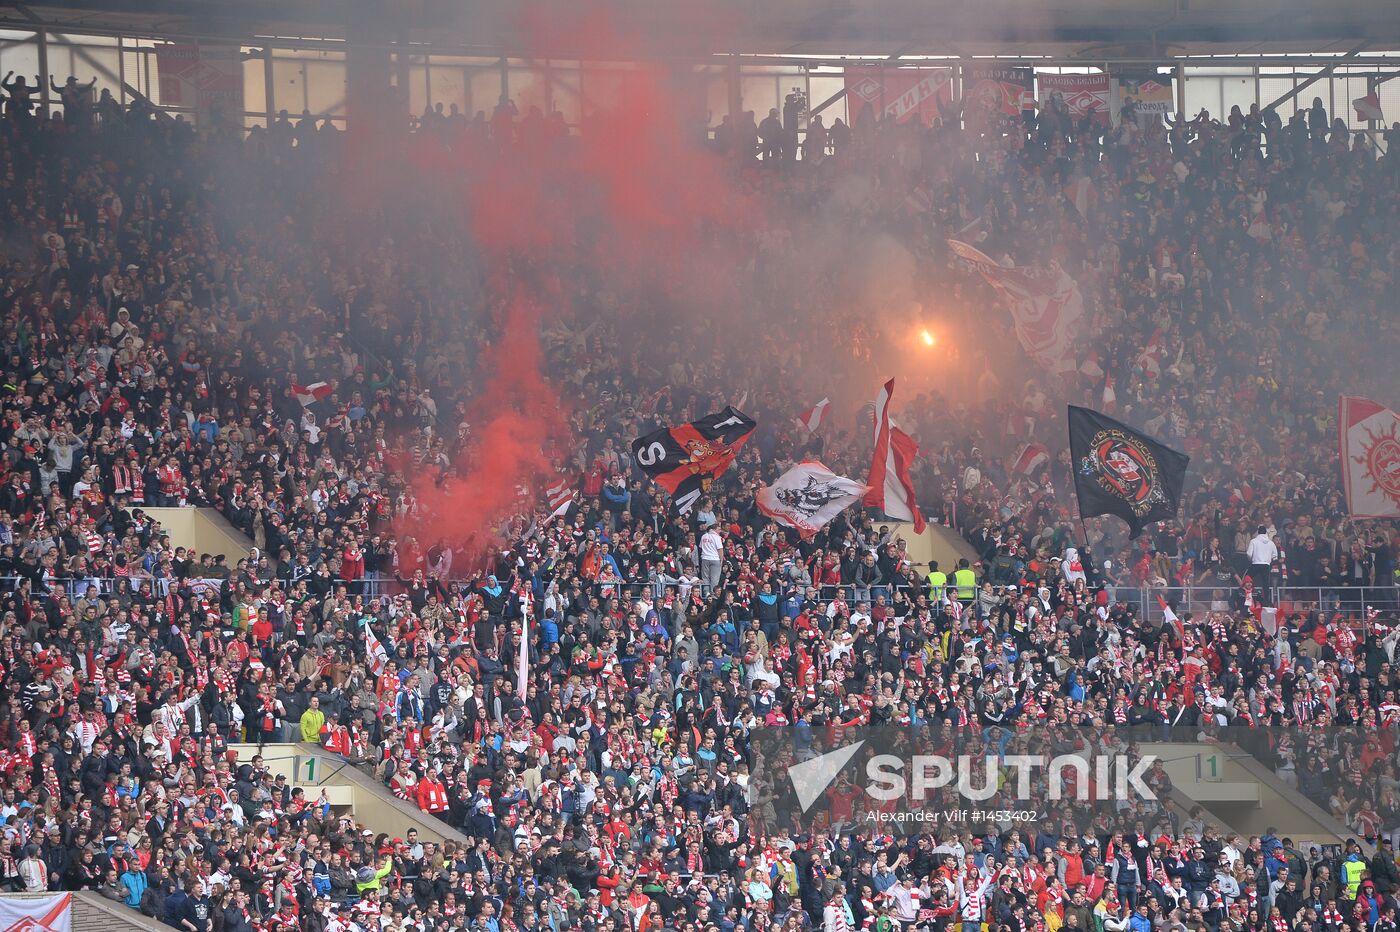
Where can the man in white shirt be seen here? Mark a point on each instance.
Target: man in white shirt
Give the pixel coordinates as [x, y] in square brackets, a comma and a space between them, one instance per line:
[1262, 553]
[711, 557]
[906, 898]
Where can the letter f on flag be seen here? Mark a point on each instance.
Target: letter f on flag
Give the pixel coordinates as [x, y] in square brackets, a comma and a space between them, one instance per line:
[811, 778]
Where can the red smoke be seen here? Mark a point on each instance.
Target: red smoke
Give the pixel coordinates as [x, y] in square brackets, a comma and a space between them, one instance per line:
[630, 194]
[514, 421]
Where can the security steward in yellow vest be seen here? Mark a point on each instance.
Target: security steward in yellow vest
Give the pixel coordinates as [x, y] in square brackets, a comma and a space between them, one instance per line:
[966, 581]
[937, 582]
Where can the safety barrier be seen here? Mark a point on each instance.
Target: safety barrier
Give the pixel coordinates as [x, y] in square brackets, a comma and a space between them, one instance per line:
[1350, 600]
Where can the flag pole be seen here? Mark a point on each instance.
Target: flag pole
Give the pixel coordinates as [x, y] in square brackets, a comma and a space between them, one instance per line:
[523, 672]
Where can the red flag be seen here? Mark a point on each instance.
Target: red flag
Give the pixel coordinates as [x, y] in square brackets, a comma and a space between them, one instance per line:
[815, 416]
[308, 395]
[891, 490]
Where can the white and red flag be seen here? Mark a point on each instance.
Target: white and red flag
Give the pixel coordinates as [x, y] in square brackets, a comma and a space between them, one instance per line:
[808, 496]
[1369, 438]
[1083, 195]
[1169, 618]
[1368, 108]
[48, 913]
[559, 496]
[1030, 459]
[375, 653]
[815, 416]
[522, 666]
[1150, 359]
[1110, 395]
[308, 395]
[918, 201]
[1045, 304]
[891, 489]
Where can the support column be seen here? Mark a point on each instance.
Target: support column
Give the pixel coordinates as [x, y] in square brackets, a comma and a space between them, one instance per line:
[44, 77]
[735, 88]
[269, 90]
[373, 105]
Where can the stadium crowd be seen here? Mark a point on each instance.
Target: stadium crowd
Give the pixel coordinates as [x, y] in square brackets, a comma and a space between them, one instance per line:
[155, 327]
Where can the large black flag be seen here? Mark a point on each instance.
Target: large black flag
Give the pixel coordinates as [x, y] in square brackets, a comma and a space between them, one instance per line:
[685, 459]
[1119, 471]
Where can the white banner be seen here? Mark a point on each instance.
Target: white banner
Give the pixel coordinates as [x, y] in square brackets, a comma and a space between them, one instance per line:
[1370, 451]
[37, 913]
[1045, 306]
[808, 496]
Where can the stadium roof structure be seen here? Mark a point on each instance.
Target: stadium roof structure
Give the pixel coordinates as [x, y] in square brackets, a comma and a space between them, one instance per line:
[1091, 30]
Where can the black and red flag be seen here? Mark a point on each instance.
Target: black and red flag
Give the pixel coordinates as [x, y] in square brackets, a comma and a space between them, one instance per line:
[1121, 471]
[685, 459]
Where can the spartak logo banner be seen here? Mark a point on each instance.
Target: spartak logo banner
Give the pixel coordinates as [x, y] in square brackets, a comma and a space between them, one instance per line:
[1083, 94]
[1370, 451]
[1045, 303]
[37, 913]
[200, 77]
[989, 91]
[1120, 471]
[1147, 91]
[899, 93]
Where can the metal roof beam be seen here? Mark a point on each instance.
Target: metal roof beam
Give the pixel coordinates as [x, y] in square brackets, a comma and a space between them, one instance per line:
[1324, 73]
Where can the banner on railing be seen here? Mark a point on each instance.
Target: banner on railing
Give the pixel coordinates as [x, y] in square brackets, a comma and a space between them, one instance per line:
[1147, 92]
[990, 91]
[1083, 94]
[37, 914]
[200, 77]
[1370, 452]
[203, 587]
[899, 93]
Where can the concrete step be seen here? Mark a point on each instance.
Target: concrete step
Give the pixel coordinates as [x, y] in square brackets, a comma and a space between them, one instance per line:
[349, 789]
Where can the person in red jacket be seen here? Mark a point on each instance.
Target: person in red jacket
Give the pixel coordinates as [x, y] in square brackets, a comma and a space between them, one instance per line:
[352, 563]
[432, 795]
[335, 736]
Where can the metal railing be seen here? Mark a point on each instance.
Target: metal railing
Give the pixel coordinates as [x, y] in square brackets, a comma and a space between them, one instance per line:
[1351, 600]
[1348, 600]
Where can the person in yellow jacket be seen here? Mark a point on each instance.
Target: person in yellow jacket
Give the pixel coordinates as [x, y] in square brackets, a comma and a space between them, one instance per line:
[373, 881]
[312, 721]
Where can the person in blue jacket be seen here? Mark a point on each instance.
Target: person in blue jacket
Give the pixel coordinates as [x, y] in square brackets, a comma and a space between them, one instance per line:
[134, 880]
